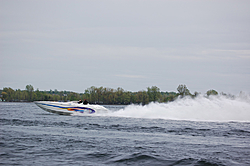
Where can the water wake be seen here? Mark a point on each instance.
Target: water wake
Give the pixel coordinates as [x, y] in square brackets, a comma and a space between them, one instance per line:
[213, 108]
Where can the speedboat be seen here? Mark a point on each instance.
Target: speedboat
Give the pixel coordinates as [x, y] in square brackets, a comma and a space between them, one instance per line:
[67, 108]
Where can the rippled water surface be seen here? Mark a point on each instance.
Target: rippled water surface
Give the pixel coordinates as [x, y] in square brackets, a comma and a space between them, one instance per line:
[32, 136]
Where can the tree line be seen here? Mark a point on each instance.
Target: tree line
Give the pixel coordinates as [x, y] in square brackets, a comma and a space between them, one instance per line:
[98, 95]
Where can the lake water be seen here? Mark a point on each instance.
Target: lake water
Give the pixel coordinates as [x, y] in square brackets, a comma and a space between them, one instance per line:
[185, 132]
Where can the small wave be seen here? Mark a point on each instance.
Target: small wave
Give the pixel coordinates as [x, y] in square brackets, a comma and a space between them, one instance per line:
[19, 122]
[149, 159]
[198, 162]
[136, 159]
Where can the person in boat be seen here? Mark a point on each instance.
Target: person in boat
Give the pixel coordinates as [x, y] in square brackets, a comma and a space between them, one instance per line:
[80, 101]
[85, 102]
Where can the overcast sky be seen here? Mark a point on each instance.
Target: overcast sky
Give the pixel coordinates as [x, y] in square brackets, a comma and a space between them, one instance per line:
[134, 44]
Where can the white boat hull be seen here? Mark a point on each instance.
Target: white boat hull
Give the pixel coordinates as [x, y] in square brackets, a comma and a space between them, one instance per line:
[67, 108]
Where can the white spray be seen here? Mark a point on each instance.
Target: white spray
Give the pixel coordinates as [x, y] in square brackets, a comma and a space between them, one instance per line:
[212, 108]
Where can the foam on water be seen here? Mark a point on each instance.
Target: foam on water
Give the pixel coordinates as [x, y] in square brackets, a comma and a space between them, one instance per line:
[213, 108]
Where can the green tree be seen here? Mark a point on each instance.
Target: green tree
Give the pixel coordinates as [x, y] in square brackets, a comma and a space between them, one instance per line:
[127, 97]
[142, 97]
[183, 90]
[4, 96]
[92, 93]
[87, 94]
[196, 94]
[10, 94]
[30, 89]
[119, 94]
[39, 95]
[99, 94]
[169, 96]
[153, 93]
[212, 92]
[19, 95]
